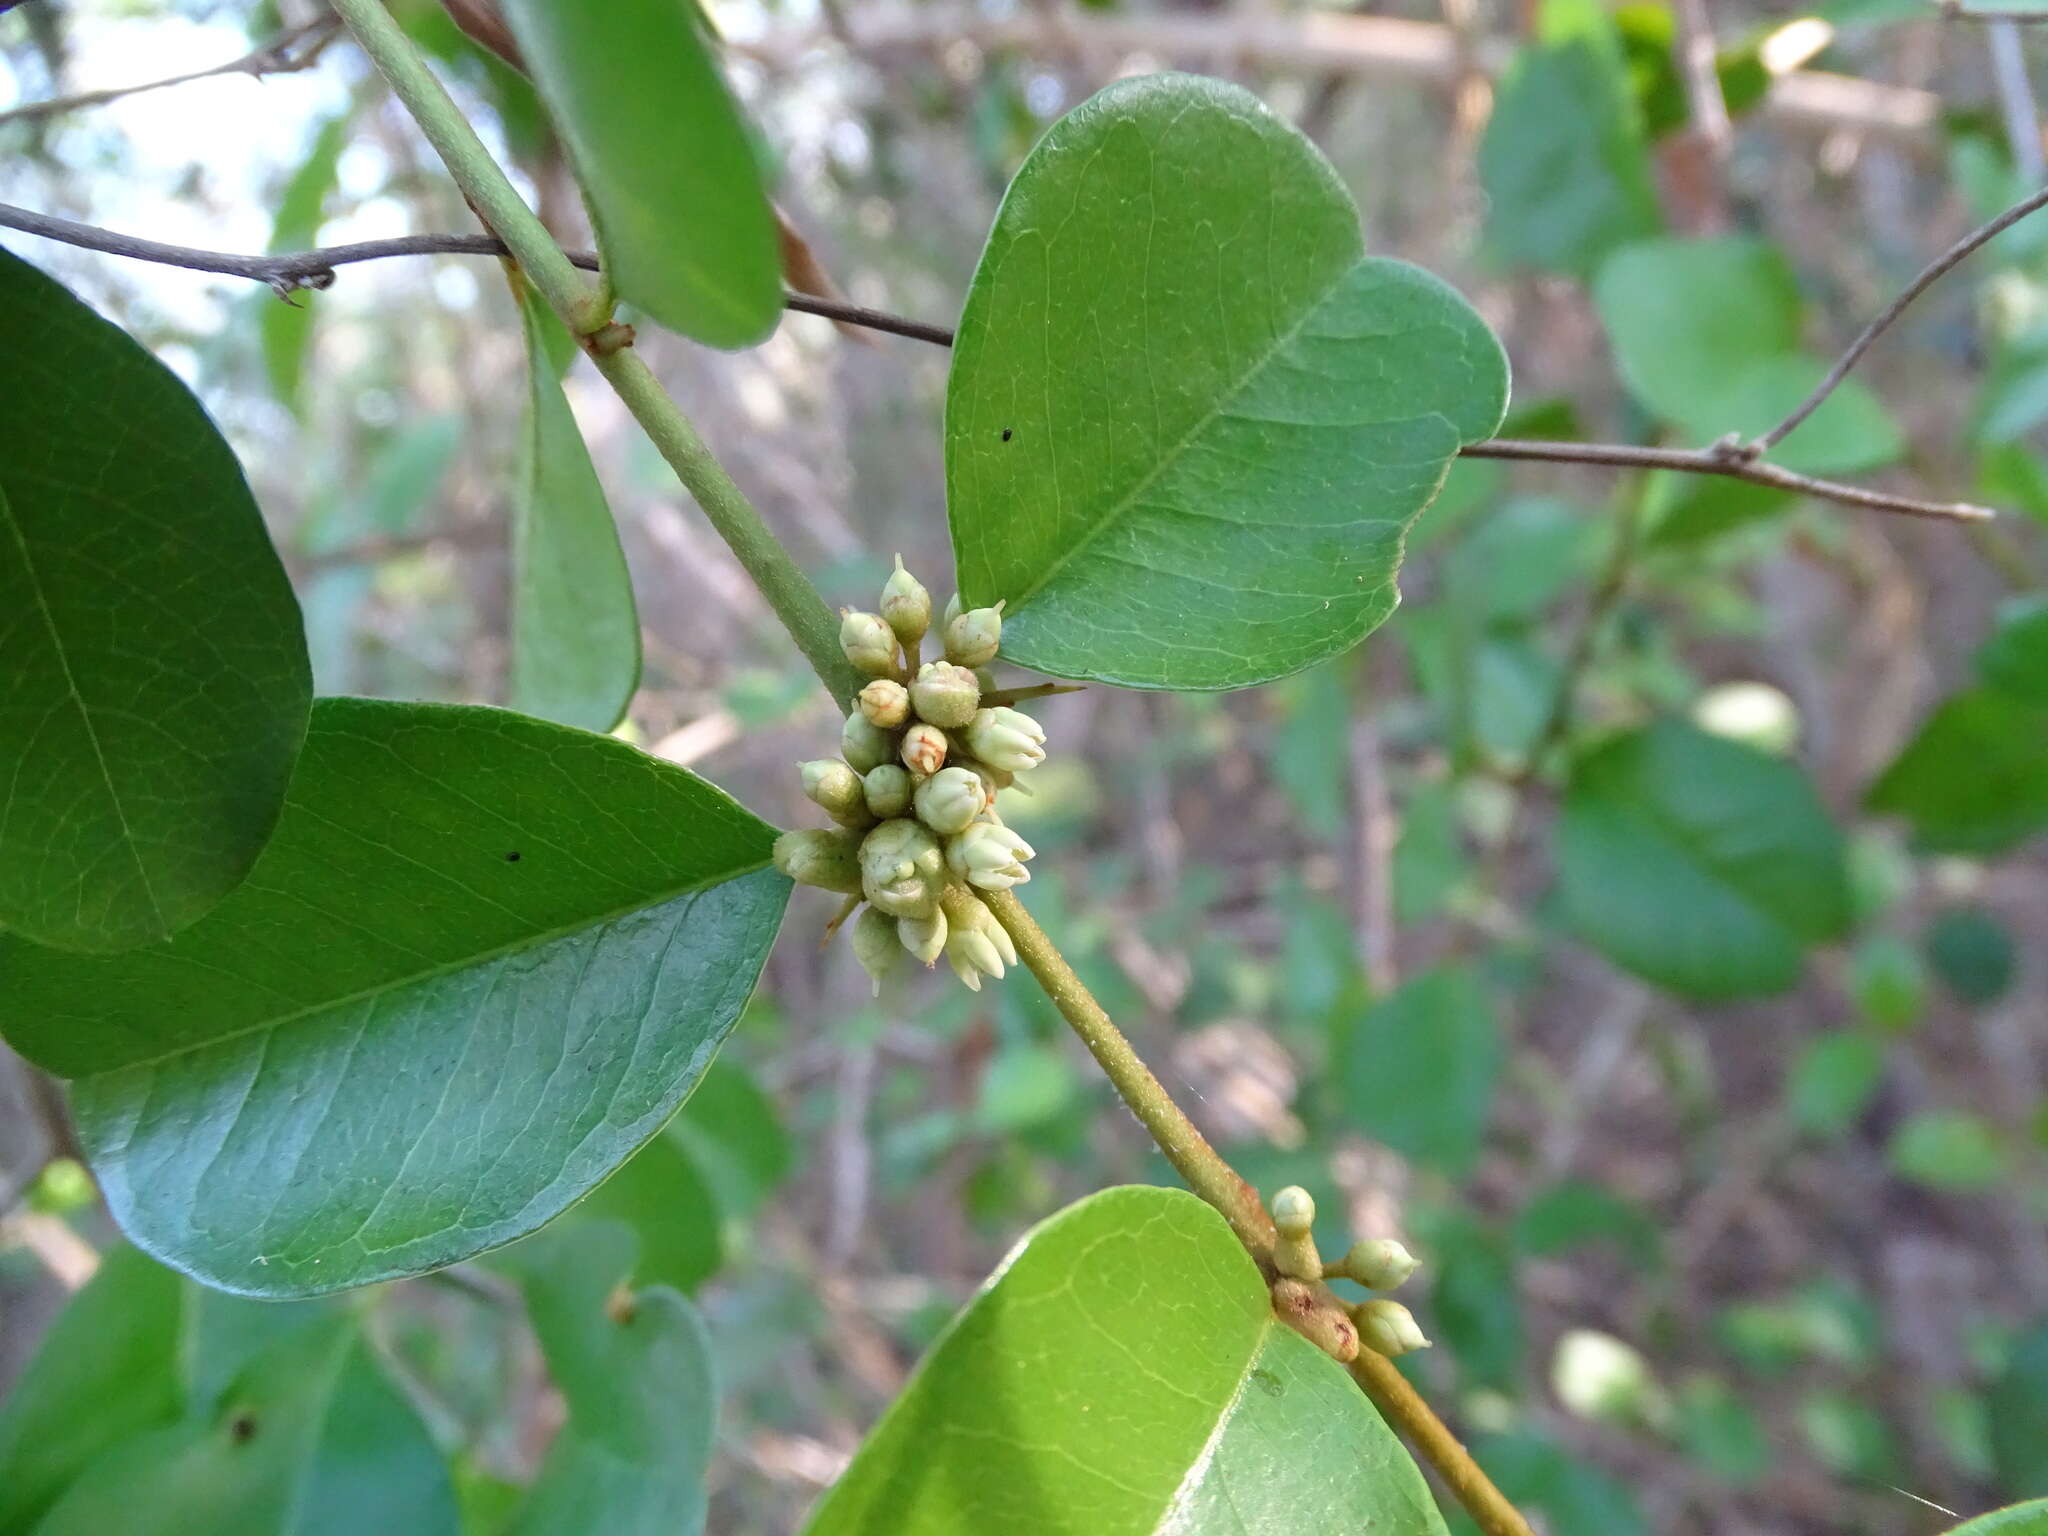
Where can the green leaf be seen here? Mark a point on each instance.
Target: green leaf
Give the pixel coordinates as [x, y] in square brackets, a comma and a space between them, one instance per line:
[153, 674]
[374, 1466]
[575, 631]
[664, 159]
[1832, 1081]
[1574, 1214]
[1563, 163]
[1706, 336]
[1520, 560]
[2028, 1519]
[1699, 864]
[483, 960]
[1419, 1068]
[287, 324]
[662, 1196]
[638, 1381]
[1189, 421]
[733, 1135]
[1122, 1373]
[1949, 1149]
[1975, 777]
[2018, 1402]
[1534, 1474]
[2015, 659]
[106, 1370]
[1973, 953]
[1473, 1300]
[1722, 1433]
[1888, 982]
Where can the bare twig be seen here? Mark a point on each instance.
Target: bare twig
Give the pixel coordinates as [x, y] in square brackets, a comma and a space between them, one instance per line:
[1975, 240]
[290, 271]
[285, 54]
[1731, 462]
[1435, 1444]
[1697, 68]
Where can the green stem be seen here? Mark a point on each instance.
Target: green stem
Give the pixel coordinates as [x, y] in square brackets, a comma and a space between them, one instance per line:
[586, 311]
[1205, 1171]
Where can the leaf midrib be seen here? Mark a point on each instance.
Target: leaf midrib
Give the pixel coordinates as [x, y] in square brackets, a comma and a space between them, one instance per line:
[1172, 455]
[92, 735]
[430, 973]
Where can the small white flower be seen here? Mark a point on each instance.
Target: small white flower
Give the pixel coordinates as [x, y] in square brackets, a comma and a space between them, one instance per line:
[990, 856]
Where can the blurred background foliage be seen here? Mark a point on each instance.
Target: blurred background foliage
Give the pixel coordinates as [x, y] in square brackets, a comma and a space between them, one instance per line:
[1646, 925]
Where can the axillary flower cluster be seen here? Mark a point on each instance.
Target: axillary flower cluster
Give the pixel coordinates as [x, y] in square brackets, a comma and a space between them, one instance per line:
[913, 790]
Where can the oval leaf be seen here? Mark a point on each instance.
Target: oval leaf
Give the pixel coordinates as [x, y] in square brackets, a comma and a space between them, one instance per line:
[1189, 421]
[153, 673]
[1699, 864]
[482, 961]
[1123, 1373]
[1974, 778]
[664, 160]
[575, 632]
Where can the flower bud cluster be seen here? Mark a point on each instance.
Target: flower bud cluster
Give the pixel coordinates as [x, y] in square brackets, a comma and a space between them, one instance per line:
[913, 790]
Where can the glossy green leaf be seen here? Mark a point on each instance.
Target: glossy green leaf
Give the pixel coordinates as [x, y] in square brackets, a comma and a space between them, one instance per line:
[1563, 162]
[1832, 1080]
[1122, 1373]
[664, 159]
[483, 961]
[287, 325]
[638, 1381]
[1189, 420]
[1699, 864]
[1706, 334]
[2018, 1404]
[153, 674]
[1974, 779]
[1419, 1069]
[575, 631]
[2028, 1519]
[2015, 659]
[107, 1370]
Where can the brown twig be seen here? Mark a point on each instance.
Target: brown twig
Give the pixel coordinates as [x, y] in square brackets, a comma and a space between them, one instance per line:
[1435, 1444]
[276, 57]
[1949, 259]
[292, 270]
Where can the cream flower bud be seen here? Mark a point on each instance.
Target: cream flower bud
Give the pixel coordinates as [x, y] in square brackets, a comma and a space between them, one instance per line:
[978, 946]
[990, 856]
[829, 860]
[1006, 738]
[973, 637]
[949, 800]
[923, 750]
[924, 937]
[906, 606]
[945, 695]
[887, 787]
[836, 788]
[1389, 1327]
[902, 869]
[1379, 1263]
[885, 702]
[864, 744]
[1294, 1211]
[876, 946]
[869, 643]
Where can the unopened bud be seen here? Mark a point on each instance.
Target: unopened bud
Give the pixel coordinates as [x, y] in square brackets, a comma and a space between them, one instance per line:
[864, 744]
[1294, 1211]
[829, 860]
[887, 788]
[990, 856]
[885, 702]
[949, 800]
[923, 750]
[1389, 1328]
[1006, 738]
[836, 788]
[945, 695]
[902, 869]
[978, 945]
[973, 637]
[906, 606]
[1379, 1263]
[876, 946]
[924, 937]
[868, 642]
